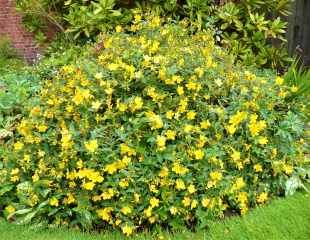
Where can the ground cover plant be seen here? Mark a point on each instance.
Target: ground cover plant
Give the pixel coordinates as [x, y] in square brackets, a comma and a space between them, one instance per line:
[158, 127]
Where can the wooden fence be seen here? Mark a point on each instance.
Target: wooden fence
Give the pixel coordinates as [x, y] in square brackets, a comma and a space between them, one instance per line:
[299, 30]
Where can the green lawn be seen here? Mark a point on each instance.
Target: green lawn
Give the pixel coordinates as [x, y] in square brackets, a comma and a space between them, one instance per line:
[283, 219]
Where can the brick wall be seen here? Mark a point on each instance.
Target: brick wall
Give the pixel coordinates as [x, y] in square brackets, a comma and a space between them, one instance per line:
[11, 26]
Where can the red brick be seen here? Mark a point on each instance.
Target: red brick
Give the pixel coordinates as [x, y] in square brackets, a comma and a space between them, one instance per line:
[11, 26]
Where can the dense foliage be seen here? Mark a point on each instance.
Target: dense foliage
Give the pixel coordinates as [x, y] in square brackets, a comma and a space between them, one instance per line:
[249, 29]
[158, 126]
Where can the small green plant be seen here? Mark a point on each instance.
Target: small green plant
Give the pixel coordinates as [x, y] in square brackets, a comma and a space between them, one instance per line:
[6, 49]
[298, 78]
[9, 58]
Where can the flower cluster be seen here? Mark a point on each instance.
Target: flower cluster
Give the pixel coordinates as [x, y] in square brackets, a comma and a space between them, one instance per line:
[159, 128]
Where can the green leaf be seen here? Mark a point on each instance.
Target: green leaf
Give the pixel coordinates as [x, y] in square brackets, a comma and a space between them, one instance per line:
[6, 188]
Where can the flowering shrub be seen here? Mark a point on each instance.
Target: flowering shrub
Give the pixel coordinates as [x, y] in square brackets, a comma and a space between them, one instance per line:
[159, 127]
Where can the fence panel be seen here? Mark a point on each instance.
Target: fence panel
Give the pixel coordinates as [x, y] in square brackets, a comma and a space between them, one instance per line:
[299, 30]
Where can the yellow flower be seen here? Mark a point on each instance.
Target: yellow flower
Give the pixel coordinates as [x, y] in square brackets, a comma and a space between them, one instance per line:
[205, 124]
[155, 120]
[179, 184]
[122, 107]
[96, 105]
[91, 146]
[113, 66]
[191, 85]
[148, 211]
[169, 114]
[256, 126]
[294, 89]
[261, 198]
[108, 194]
[202, 141]
[137, 18]
[14, 178]
[98, 76]
[95, 176]
[235, 155]
[288, 169]
[152, 219]
[136, 197]
[199, 154]
[164, 172]
[244, 210]
[118, 222]
[161, 142]
[15, 171]
[70, 199]
[237, 118]
[154, 47]
[249, 76]
[125, 149]
[205, 202]
[173, 210]
[262, 140]
[242, 198]
[127, 230]
[191, 189]
[81, 95]
[279, 81]
[18, 146]
[239, 183]
[199, 71]
[123, 183]
[191, 115]
[155, 22]
[258, 168]
[170, 134]
[154, 202]
[186, 201]
[180, 90]
[126, 210]
[231, 129]
[54, 202]
[194, 204]
[105, 214]
[136, 104]
[9, 209]
[69, 108]
[35, 111]
[42, 128]
[188, 128]
[216, 176]
[88, 185]
[111, 168]
[179, 169]
[274, 152]
[35, 177]
[118, 29]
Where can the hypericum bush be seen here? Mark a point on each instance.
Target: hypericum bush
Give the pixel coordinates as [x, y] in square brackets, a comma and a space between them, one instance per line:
[159, 128]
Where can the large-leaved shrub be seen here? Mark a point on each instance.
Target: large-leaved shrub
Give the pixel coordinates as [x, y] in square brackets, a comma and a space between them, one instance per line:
[252, 30]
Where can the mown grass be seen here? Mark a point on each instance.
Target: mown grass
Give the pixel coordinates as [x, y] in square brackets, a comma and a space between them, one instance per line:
[283, 219]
